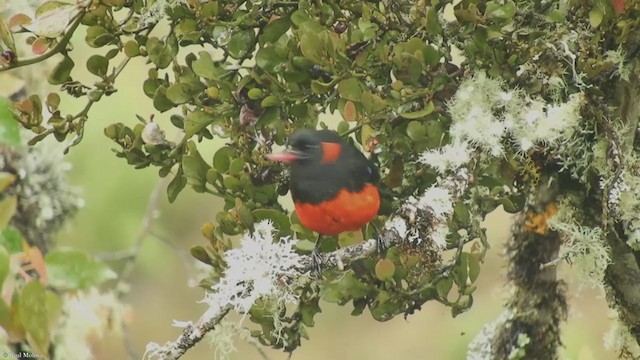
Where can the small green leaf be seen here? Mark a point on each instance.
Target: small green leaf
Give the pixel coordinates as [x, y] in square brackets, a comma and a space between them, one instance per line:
[70, 269]
[344, 288]
[350, 89]
[595, 17]
[175, 186]
[98, 65]
[179, 93]
[60, 73]
[269, 101]
[98, 36]
[204, 66]
[201, 254]
[255, 94]
[416, 130]
[268, 59]
[9, 127]
[131, 48]
[11, 239]
[196, 121]
[160, 100]
[474, 267]
[274, 30]
[420, 113]
[33, 314]
[240, 43]
[222, 159]
[443, 287]
[8, 207]
[6, 36]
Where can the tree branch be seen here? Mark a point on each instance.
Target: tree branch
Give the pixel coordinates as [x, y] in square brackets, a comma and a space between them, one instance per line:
[417, 220]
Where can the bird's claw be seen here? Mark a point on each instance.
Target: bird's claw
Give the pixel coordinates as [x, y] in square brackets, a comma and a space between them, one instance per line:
[316, 264]
[381, 245]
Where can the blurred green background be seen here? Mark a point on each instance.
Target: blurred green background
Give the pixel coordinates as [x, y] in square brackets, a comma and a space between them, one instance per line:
[116, 198]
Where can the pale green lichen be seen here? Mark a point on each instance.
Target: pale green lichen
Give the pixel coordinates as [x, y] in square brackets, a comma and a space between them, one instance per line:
[519, 350]
[619, 340]
[222, 339]
[45, 198]
[481, 348]
[583, 246]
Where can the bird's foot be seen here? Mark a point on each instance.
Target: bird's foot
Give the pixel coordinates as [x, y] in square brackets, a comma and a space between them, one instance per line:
[381, 245]
[317, 262]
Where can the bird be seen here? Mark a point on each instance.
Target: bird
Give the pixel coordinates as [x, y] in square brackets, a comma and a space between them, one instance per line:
[332, 184]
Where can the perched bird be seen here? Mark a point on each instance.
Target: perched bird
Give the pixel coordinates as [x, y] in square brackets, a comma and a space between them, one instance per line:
[333, 185]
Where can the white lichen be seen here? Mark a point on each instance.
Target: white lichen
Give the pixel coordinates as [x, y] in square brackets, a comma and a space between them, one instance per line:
[157, 10]
[487, 115]
[448, 157]
[257, 269]
[45, 197]
[480, 348]
[584, 246]
[618, 339]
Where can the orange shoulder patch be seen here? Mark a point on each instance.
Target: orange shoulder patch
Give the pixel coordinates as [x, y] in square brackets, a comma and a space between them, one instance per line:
[330, 152]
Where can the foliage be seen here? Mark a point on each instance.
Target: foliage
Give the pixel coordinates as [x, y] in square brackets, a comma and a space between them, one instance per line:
[524, 103]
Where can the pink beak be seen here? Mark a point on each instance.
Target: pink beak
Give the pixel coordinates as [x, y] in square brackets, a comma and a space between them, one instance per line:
[284, 156]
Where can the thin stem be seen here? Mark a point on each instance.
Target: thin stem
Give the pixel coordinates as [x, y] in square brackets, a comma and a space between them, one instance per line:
[57, 49]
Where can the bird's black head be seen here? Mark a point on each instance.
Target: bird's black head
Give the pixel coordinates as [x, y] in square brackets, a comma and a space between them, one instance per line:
[311, 146]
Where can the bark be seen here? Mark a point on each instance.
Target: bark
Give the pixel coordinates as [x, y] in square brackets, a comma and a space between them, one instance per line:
[538, 304]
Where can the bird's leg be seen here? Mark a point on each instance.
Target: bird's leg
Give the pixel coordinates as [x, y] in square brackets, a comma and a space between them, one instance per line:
[381, 244]
[316, 259]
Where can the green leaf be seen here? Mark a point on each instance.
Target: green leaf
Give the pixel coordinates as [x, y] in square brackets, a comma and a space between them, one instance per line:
[9, 127]
[11, 239]
[179, 93]
[176, 185]
[344, 288]
[268, 59]
[416, 130]
[280, 220]
[240, 43]
[33, 314]
[595, 17]
[159, 53]
[8, 207]
[201, 254]
[6, 36]
[443, 287]
[420, 113]
[204, 66]
[160, 100]
[98, 65]
[350, 89]
[70, 269]
[433, 24]
[372, 103]
[310, 47]
[222, 159]
[269, 101]
[274, 30]
[474, 267]
[60, 73]
[98, 36]
[196, 121]
[308, 309]
[194, 167]
[4, 264]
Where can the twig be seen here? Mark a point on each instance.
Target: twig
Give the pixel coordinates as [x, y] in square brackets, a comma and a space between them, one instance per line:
[75, 21]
